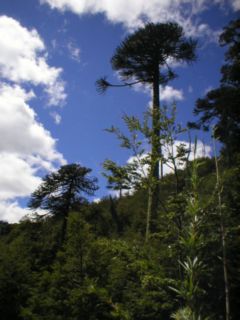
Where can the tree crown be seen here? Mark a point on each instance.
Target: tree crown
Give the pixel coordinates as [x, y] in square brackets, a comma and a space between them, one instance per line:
[149, 49]
[63, 189]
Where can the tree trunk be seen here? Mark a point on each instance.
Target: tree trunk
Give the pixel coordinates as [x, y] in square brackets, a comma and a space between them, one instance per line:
[64, 228]
[66, 212]
[153, 192]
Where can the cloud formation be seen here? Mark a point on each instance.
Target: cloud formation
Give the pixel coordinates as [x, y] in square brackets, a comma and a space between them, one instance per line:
[23, 58]
[12, 211]
[26, 147]
[20, 132]
[134, 13]
[74, 51]
[201, 151]
[168, 93]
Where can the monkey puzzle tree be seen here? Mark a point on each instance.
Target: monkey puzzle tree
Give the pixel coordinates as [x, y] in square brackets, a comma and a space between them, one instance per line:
[61, 192]
[144, 57]
[221, 105]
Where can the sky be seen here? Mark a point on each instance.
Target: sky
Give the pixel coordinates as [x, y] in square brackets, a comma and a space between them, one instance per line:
[52, 53]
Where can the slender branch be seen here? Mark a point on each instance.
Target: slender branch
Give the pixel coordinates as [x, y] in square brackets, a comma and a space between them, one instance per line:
[102, 84]
[223, 236]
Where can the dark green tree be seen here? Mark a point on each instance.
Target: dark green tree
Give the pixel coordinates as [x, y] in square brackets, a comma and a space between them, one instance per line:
[143, 57]
[61, 192]
[221, 105]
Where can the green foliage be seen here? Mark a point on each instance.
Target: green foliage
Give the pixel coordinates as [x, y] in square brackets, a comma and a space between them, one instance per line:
[221, 105]
[60, 191]
[121, 178]
[101, 273]
[150, 46]
[104, 269]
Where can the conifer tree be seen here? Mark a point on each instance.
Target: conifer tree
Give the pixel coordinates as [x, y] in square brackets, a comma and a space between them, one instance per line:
[143, 57]
[221, 105]
[61, 192]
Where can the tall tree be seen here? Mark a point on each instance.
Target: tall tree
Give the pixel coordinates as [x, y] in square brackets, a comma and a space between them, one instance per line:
[221, 105]
[61, 192]
[143, 57]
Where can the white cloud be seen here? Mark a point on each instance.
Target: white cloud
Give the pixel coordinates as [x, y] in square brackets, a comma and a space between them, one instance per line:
[25, 145]
[56, 117]
[25, 148]
[23, 59]
[12, 212]
[20, 132]
[168, 93]
[56, 93]
[202, 150]
[17, 177]
[74, 51]
[236, 5]
[142, 165]
[135, 12]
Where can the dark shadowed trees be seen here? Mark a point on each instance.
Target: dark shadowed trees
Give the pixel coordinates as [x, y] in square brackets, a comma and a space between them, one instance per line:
[221, 106]
[61, 192]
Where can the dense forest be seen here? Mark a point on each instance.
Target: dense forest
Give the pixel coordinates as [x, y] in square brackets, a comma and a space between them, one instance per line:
[167, 247]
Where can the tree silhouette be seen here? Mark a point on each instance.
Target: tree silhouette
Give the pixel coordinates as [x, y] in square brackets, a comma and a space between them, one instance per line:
[144, 57]
[221, 105]
[61, 192]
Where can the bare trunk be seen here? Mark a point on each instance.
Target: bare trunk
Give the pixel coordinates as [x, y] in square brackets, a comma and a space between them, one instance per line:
[149, 208]
[153, 192]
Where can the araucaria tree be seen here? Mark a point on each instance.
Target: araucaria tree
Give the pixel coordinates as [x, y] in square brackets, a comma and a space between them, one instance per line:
[61, 192]
[145, 57]
[221, 105]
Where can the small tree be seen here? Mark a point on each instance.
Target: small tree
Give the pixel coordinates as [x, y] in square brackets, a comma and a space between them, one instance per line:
[118, 176]
[192, 240]
[61, 192]
[136, 173]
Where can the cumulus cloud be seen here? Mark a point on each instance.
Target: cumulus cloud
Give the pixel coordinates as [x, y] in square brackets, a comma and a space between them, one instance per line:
[12, 211]
[168, 93]
[20, 132]
[17, 177]
[23, 58]
[25, 148]
[202, 150]
[135, 12]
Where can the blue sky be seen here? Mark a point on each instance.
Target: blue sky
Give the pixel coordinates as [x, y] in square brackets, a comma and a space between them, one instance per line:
[53, 51]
